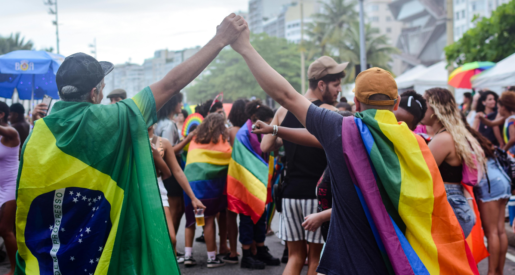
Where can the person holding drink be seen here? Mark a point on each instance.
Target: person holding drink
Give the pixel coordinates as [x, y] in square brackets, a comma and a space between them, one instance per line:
[209, 154]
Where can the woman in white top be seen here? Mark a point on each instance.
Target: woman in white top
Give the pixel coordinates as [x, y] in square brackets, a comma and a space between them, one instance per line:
[9, 152]
[166, 166]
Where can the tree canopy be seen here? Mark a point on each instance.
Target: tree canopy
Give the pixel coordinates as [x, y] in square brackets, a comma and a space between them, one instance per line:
[229, 73]
[335, 32]
[492, 39]
[14, 42]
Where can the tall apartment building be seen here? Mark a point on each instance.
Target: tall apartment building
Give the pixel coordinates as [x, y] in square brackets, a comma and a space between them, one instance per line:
[465, 10]
[133, 77]
[379, 16]
[281, 18]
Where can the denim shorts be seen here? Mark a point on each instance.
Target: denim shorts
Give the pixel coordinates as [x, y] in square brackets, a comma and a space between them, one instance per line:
[499, 184]
[462, 210]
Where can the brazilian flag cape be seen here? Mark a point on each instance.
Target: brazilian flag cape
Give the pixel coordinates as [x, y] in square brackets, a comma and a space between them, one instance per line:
[87, 196]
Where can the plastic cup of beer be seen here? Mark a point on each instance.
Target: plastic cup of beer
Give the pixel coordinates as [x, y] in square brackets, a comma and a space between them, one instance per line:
[199, 217]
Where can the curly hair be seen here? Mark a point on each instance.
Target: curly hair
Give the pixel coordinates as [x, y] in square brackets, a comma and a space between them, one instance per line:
[262, 112]
[211, 129]
[237, 115]
[169, 107]
[507, 100]
[445, 109]
[480, 107]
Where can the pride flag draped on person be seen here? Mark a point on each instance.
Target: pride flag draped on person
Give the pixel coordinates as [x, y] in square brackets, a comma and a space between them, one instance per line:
[87, 196]
[206, 170]
[403, 196]
[247, 179]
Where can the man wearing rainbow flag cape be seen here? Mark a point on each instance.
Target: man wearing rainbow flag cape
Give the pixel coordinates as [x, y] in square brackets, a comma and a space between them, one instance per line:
[390, 212]
[87, 194]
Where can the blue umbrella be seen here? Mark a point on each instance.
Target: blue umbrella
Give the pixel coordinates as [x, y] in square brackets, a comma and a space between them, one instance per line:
[32, 73]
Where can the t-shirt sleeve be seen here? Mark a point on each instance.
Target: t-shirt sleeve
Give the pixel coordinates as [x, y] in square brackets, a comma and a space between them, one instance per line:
[323, 124]
[147, 105]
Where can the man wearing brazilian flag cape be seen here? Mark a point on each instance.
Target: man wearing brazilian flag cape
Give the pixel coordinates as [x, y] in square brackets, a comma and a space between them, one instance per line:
[87, 196]
[390, 212]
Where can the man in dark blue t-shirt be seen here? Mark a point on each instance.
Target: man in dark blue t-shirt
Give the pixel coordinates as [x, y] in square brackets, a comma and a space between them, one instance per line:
[351, 247]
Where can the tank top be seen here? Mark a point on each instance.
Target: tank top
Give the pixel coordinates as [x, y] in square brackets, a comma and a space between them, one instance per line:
[8, 163]
[506, 130]
[304, 165]
[488, 132]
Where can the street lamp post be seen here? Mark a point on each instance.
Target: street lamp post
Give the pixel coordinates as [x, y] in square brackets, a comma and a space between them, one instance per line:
[56, 22]
[362, 46]
[302, 65]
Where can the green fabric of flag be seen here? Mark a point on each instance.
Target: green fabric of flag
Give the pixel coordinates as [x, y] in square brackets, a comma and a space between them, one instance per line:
[87, 195]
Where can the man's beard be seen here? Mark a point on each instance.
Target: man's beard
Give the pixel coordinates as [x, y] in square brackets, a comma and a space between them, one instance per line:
[327, 98]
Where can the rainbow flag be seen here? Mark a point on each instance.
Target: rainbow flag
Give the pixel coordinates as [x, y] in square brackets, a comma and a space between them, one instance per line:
[476, 238]
[247, 179]
[87, 195]
[403, 196]
[206, 170]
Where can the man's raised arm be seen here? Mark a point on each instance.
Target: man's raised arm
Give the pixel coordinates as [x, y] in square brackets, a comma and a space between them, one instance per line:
[271, 81]
[180, 76]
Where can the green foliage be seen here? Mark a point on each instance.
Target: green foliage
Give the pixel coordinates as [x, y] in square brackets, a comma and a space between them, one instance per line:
[14, 43]
[229, 73]
[335, 32]
[493, 39]
[378, 49]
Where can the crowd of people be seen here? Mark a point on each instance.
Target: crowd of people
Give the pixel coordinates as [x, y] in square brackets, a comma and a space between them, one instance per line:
[388, 184]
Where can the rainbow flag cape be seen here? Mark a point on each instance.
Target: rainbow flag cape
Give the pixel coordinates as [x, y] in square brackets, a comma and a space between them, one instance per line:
[206, 170]
[87, 195]
[403, 196]
[476, 238]
[247, 179]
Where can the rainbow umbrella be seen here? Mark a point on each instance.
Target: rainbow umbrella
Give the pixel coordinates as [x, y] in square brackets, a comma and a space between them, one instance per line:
[460, 78]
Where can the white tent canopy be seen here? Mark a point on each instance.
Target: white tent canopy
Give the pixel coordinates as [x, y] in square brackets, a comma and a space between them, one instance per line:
[421, 79]
[501, 75]
[407, 79]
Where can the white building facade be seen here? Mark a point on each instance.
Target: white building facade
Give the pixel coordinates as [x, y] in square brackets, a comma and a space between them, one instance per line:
[134, 77]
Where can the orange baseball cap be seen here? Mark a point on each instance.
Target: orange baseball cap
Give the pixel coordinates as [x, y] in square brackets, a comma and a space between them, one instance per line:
[376, 81]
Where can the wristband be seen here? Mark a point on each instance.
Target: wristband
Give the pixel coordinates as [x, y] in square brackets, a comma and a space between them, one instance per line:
[275, 130]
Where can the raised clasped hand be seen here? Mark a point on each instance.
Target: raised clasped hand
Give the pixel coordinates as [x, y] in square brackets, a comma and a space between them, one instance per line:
[230, 28]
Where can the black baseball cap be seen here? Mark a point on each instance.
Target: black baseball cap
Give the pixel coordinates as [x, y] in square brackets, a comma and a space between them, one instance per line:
[81, 71]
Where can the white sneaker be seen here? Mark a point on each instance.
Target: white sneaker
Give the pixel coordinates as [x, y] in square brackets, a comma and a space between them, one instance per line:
[180, 260]
[216, 262]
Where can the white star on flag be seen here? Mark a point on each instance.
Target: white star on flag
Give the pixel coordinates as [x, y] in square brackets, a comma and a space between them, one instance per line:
[89, 204]
[100, 248]
[78, 194]
[98, 259]
[62, 229]
[88, 230]
[94, 200]
[81, 235]
[72, 258]
[71, 193]
[93, 209]
[92, 215]
[85, 270]
[84, 198]
[75, 200]
[91, 261]
[51, 227]
[80, 240]
[89, 199]
[80, 230]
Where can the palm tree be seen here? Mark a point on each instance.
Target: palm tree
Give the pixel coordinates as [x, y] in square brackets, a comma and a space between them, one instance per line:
[378, 48]
[336, 16]
[13, 43]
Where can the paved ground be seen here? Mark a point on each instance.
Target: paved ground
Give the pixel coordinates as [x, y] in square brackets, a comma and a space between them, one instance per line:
[275, 246]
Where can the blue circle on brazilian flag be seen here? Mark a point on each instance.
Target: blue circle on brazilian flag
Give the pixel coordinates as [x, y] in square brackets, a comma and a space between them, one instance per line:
[67, 230]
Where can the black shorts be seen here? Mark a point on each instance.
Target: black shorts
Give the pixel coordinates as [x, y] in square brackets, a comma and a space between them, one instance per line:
[173, 187]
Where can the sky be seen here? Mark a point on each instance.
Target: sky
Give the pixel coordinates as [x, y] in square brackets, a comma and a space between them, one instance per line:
[124, 29]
